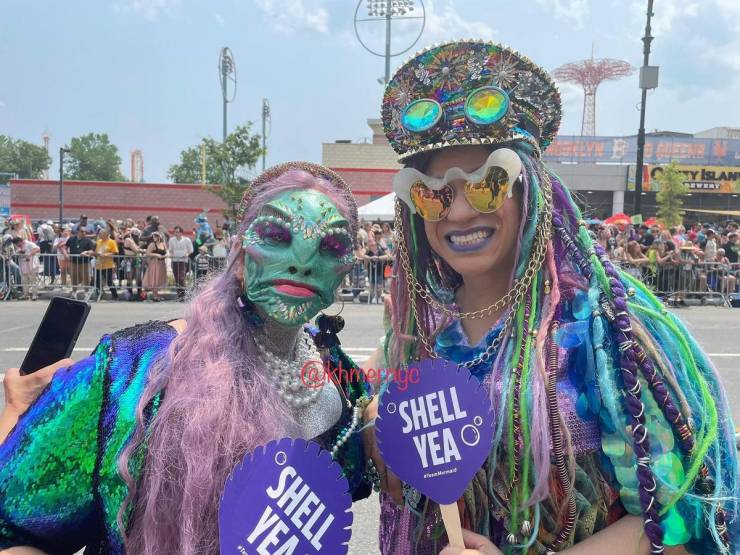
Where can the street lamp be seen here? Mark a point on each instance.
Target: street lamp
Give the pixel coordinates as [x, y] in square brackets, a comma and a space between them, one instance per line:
[385, 11]
[62, 150]
[227, 72]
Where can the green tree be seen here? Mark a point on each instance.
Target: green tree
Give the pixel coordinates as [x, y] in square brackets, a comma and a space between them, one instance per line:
[93, 158]
[670, 196]
[226, 165]
[25, 159]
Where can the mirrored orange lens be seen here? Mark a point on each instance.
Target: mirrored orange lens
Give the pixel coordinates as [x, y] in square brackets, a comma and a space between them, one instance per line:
[430, 204]
[489, 194]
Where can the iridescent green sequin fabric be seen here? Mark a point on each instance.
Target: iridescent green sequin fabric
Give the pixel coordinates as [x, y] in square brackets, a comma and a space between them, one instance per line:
[60, 489]
[59, 485]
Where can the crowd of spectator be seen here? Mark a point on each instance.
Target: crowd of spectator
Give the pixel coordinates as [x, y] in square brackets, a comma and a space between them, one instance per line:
[695, 260]
[143, 258]
[89, 255]
[373, 269]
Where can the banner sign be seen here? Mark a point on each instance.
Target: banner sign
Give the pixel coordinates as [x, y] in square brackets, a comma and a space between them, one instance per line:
[436, 433]
[700, 179]
[287, 497]
[658, 150]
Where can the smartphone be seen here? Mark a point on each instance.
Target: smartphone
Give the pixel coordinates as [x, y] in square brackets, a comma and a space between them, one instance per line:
[56, 336]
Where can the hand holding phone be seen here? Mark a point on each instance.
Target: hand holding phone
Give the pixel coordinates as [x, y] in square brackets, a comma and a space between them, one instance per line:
[56, 335]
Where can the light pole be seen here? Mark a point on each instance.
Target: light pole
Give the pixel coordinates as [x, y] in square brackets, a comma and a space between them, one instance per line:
[385, 11]
[227, 72]
[62, 151]
[648, 80]
[266, 116]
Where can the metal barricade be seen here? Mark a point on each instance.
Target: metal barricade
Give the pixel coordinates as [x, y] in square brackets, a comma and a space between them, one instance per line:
[127, 277]
[688, 281]
[367, 282]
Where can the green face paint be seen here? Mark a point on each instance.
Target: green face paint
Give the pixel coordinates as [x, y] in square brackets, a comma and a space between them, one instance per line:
[297, 252]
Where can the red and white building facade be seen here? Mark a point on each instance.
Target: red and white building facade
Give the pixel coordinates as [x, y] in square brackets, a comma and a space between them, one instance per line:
[174, 203]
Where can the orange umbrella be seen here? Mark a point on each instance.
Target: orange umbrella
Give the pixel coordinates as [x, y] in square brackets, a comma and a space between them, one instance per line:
[650, 222]
[618, 219]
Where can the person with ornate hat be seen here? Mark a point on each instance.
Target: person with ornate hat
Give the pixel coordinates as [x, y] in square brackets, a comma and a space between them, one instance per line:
[613, 431]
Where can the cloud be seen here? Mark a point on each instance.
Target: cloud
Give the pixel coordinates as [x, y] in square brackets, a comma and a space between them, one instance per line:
[2, 104]
[289, 16]
[573, 10]
[666, 15]
[444, 22]
[219, 19]
[148, 9]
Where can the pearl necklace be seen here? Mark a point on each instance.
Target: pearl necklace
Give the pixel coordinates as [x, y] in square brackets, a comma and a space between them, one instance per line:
[286, 373]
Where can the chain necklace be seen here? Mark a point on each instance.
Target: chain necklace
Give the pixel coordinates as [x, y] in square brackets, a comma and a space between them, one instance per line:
[513, 297]
[287, 374]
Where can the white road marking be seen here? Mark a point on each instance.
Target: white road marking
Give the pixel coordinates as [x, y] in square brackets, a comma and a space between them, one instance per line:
[16, 328]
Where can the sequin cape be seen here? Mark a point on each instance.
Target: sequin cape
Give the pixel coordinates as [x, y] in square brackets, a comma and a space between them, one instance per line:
[59, 484]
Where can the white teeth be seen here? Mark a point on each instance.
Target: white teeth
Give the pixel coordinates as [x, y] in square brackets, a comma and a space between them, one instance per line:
[470, 238]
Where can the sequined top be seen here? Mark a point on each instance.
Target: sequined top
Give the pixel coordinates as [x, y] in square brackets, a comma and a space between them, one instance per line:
[60, 489]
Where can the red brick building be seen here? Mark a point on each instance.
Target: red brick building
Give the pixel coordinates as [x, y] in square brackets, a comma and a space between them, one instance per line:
[174, 203]
[368, 168]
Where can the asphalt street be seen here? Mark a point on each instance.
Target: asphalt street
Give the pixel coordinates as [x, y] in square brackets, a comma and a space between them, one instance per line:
[717, 329]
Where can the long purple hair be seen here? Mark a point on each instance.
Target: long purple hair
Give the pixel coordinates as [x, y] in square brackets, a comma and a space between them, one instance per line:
[218, 402]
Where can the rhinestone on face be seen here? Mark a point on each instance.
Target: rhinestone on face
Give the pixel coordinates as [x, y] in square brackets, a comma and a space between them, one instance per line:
[421, 115]
[486, 105]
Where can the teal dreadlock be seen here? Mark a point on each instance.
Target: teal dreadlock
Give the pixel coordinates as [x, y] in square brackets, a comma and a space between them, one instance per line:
[666, 432]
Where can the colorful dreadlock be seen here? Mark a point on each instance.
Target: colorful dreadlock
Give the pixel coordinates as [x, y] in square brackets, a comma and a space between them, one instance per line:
[656, 386]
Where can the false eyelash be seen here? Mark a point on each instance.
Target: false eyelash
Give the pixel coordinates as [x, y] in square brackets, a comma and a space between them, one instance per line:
[335, 245]
[271, 230]
[268, 210]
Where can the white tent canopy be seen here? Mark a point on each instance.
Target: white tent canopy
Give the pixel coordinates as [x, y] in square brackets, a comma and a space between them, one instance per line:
[382, 209]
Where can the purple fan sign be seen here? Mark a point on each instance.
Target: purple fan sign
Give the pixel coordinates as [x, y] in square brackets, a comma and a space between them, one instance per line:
[287, 497]
[436, 433]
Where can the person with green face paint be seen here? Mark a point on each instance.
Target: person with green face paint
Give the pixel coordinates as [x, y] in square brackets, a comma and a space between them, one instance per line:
[160, 413]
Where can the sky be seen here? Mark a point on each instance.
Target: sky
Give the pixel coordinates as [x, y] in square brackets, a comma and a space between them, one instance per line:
[145, 71]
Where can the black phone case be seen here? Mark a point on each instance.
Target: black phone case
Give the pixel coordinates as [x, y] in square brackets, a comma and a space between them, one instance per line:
[70, 346]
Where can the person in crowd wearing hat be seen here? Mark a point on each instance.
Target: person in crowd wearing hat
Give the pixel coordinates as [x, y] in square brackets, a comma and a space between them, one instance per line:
[82, 222]
[81, 249]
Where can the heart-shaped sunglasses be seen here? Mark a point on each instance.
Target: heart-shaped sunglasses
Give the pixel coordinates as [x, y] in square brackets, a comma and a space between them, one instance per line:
[485, 189]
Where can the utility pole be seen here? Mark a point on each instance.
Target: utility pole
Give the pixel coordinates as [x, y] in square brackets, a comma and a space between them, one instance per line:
[62, 150]
[648, 77]
[388, 16]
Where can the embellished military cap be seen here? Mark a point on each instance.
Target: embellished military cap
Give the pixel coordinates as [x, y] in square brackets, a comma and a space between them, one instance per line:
[469, 92]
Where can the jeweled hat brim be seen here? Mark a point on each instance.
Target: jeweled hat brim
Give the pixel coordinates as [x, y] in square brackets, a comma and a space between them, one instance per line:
[448, 74]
